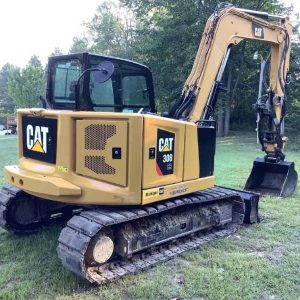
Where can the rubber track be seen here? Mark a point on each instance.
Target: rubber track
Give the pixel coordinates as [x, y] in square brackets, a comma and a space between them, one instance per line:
[7, 194]
[141, 261]
[76, 236]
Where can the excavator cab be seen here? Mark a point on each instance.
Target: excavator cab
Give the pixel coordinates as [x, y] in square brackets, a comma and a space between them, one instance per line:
[127, 88]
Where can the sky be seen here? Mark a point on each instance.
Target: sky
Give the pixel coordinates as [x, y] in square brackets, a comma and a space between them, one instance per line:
[30, 27]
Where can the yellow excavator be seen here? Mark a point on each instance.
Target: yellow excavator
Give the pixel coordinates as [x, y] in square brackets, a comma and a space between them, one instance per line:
[137, 187]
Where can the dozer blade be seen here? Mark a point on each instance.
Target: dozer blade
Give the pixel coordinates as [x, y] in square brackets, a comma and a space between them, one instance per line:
[276, 179]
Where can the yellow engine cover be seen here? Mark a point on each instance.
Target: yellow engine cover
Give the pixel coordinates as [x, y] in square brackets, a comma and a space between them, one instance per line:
[106, 158]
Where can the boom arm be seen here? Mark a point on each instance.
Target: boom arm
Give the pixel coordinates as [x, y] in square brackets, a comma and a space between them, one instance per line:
[229, 27]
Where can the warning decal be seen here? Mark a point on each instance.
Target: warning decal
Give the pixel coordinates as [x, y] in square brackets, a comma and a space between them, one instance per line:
[165, 152]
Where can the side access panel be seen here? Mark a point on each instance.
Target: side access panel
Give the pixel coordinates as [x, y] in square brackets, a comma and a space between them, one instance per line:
[163, 151]
[101, 150]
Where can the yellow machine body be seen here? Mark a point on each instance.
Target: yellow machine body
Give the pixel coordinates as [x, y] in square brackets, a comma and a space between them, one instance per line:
[111, 162]
[85, 171]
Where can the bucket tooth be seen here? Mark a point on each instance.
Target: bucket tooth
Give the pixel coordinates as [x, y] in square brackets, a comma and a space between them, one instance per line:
[276, 179]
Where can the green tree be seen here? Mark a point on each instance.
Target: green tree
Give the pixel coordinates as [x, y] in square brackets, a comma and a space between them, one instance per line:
[56, 51]
[80, 44]
[167, 37]
[25, 85]
[107, 33]
[35, 61]
[293, 90]
[6, 102]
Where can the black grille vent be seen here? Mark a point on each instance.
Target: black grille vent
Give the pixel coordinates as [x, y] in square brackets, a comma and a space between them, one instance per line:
[96, 136]
[98, 165]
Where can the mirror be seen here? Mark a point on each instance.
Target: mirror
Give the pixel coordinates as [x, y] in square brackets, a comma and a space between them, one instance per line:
[104, 71]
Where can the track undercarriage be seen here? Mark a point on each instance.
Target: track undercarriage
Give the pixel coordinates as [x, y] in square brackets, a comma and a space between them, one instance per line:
[102, 244]
[21, 213]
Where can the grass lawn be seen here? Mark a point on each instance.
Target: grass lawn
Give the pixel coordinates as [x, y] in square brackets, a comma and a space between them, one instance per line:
[261, 261]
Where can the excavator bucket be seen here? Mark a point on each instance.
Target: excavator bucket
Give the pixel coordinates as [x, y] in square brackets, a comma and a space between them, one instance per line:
[276, 179]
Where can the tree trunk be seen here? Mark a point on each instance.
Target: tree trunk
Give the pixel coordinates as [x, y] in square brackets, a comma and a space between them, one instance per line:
[220, 132]
[227, 112]
[227, 120]
[228, 103]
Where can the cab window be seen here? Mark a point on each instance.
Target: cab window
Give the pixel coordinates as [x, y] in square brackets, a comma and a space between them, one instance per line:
[134, 91]
[101, 93]
[64, 78]
[126, 91]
